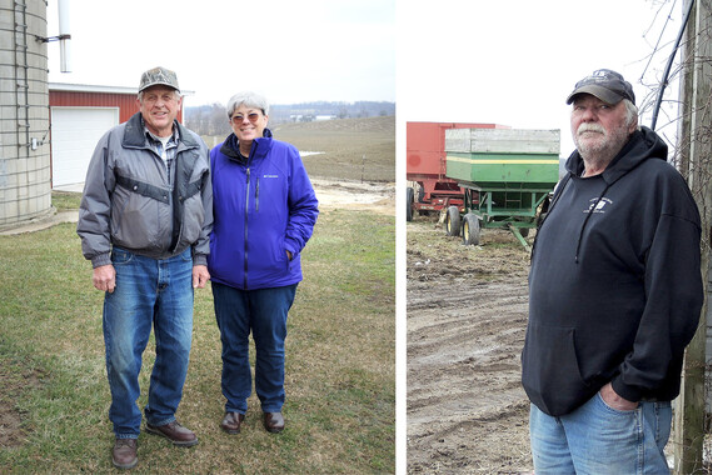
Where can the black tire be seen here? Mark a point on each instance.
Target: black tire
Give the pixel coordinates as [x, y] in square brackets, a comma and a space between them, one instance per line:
[470, 230]
[409, 202]
[452, 221]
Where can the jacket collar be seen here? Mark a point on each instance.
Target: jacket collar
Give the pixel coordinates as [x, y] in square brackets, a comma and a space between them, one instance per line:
[231, 147]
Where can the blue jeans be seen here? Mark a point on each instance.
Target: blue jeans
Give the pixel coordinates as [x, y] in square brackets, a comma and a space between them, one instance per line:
[596, 439]
[264, 311]
[148, 293]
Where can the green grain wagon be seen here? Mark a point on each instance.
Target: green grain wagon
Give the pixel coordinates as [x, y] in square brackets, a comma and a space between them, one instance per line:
[506, 175]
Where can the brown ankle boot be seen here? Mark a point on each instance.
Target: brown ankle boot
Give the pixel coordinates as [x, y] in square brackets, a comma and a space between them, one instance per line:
[124, 453]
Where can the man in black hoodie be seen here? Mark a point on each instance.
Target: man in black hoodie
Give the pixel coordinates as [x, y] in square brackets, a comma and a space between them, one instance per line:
[615, 294]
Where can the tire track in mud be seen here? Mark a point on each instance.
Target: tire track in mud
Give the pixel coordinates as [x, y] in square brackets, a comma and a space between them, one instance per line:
[466, 315]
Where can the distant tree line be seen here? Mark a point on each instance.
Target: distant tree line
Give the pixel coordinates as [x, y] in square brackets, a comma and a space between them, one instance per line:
[212, 119]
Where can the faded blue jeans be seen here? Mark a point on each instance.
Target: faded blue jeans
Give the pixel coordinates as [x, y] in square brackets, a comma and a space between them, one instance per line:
[596, 439]
[264, 311]
[149, 293]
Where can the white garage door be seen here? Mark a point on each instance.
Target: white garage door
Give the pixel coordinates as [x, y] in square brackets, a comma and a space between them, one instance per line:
[75, 133]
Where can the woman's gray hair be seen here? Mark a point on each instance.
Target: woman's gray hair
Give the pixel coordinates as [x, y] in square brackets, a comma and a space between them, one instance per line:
[249, 99]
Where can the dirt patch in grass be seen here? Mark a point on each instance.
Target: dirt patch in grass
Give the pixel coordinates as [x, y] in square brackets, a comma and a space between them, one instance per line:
[16, 379]
[355, 195]
[467, 311]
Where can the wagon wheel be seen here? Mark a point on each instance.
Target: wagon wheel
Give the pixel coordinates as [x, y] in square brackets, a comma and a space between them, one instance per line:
[470, 230]
[452, 221]
[409, 202]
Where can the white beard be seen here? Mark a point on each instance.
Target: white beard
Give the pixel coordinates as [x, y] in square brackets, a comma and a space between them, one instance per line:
[599, 151]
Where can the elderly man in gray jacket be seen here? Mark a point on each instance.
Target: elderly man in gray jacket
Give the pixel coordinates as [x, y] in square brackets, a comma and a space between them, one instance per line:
[144, 222]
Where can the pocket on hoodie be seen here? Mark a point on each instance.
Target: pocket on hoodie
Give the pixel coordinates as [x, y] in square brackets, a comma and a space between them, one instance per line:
[550, 370]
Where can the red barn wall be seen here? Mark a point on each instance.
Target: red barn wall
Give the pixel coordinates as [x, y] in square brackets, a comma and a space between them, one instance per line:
[125, 102]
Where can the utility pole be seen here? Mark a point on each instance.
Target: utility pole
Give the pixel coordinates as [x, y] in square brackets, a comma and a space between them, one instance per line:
[695, 150]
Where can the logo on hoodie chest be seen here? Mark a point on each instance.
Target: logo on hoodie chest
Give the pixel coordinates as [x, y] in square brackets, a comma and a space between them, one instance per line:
[599, 206]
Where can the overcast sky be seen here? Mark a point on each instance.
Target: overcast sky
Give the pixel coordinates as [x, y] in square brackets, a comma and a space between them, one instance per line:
[506, 62]
[291, 51]
[514, 62]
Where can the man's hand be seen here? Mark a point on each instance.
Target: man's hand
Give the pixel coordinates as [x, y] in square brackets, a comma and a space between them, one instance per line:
[200, 276]
[104, 278]
[616, 402]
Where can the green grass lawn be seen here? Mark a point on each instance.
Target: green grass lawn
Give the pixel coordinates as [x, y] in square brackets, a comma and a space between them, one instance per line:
[340, 366]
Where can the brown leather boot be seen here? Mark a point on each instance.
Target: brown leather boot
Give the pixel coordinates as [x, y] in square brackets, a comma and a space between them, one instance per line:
[174, 432]
[231, 422]
[274, 422]
[124, 454]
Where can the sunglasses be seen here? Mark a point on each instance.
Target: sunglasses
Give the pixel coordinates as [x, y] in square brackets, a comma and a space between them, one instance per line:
[252, 117]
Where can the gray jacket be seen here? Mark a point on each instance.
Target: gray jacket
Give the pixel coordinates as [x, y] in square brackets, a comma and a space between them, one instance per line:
[128, 202]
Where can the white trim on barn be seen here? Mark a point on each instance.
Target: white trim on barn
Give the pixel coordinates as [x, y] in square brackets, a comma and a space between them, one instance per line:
[58, 86]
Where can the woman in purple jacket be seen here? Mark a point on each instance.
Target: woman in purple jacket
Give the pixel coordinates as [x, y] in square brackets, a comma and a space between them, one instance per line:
[265, 210]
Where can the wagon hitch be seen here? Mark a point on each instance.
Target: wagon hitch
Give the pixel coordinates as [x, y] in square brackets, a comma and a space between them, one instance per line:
[518, 234]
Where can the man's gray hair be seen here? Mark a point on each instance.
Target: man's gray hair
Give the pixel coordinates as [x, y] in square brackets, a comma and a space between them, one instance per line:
[249, 99]
[631, 112]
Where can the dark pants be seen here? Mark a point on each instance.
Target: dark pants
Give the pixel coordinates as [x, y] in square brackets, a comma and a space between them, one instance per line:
[264, 312]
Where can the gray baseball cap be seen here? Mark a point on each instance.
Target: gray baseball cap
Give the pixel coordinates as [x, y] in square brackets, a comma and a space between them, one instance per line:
[609, 86]
[156, 76]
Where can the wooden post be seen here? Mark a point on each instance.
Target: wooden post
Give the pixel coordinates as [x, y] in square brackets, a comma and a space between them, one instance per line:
[694, 162]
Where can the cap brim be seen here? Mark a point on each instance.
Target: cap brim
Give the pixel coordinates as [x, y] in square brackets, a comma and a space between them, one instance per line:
[606, 95]
[158, 84]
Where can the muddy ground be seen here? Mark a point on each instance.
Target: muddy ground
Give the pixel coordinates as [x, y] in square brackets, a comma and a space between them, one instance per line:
[466, 315]
[355, 195]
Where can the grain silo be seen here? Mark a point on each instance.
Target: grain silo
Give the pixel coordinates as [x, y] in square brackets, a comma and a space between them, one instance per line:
[25, 169]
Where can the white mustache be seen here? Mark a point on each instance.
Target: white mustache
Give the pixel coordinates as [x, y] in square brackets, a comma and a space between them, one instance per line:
[591, 128]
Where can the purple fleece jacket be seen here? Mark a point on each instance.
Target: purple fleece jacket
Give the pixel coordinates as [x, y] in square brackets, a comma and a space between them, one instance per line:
[263, 207]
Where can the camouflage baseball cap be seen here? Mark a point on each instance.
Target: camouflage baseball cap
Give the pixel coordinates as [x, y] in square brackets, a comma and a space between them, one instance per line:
[156, 76]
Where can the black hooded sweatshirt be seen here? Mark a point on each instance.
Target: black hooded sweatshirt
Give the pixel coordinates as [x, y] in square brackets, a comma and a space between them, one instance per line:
[615, 282]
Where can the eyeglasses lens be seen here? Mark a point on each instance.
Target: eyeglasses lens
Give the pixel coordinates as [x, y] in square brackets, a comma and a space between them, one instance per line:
[252, 117]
